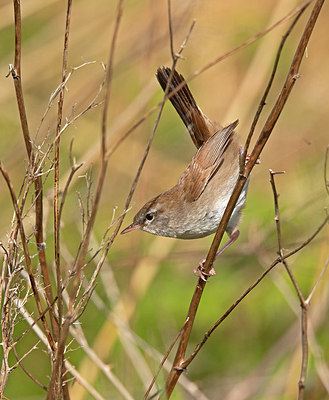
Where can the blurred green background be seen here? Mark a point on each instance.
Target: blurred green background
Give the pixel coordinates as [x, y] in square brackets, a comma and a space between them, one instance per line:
[147, 282]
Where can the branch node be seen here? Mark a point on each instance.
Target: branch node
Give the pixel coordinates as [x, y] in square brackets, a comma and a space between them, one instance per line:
[12, 72]
[179, 369]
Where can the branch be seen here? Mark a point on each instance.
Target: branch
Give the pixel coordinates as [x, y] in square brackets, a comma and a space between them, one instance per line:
[303, 303]
[19, 362]
[277, 261]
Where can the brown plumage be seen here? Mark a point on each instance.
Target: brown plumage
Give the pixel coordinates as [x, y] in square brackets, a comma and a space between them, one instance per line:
[194, 207]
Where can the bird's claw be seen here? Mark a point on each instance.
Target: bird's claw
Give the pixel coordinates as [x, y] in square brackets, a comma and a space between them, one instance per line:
[248, 159]
[202, 273]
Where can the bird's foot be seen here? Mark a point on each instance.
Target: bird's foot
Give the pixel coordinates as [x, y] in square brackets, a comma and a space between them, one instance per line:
[248, 157]
[200, 271]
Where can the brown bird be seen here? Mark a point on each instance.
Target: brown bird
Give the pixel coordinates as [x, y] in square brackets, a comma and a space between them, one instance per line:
[194, 207]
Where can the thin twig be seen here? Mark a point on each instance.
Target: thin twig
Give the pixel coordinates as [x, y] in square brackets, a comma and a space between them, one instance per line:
[19, 362]
[83, 382]
[74, 169]
[325, 172]
[71, 121]
[27, 330]
[304, 340]
[56, 92]
[163, 361]
[248, 41]
[303, 303]
[309, 297]
[277, 261]
[91, 283]
[279, 236]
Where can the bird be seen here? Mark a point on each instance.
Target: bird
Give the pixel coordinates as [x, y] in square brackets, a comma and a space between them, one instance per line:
[194, 206]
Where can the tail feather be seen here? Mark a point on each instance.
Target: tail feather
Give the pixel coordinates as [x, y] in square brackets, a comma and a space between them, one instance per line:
[185, 105]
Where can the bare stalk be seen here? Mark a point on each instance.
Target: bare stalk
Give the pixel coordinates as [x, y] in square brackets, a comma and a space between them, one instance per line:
[16, 74]
[325, 170]
[56, 168]
[303, 302]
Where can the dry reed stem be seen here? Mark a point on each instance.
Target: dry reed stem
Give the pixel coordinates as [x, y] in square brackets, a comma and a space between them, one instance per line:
[17, 78]
[56, 168]
[251, 287]
[61, 388]
[105, 368]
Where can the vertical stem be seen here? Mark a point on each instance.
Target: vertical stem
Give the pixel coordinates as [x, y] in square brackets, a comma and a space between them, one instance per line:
[304, 338]
[56, 166]
[16, 74]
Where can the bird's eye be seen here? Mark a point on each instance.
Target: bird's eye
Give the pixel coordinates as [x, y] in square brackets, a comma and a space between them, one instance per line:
[149, 216]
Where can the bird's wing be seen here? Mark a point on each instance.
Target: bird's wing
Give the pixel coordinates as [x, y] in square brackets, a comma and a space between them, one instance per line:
[206, 162]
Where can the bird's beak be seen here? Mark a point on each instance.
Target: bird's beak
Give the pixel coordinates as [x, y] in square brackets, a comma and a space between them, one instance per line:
[132, 227]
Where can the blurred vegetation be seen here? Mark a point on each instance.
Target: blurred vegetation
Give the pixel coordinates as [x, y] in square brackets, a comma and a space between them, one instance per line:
[147, 281]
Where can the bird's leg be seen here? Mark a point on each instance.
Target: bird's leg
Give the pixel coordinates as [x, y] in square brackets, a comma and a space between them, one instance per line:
[212, 272]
